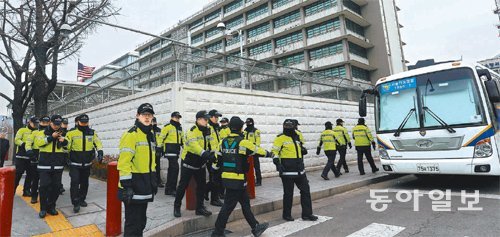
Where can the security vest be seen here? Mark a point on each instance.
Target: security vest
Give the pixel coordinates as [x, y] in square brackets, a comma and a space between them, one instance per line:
[171, 139]
[253, 136]
[287, 150]
[362, 135]
[214, 131]
[52, 152]
[328, 140]
[82, 145]
[30, 144]
[342, 135]
[224, 132]
[197, 142]
[20, 140]
[137, 163]
[234, 151]
[301, 137]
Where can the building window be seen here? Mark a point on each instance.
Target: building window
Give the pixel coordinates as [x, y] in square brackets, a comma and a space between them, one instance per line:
[338, 72]
[197, 38]
[167, 67]
[197, 53]
[279, 3]
[156, 45]
[353, 6]
[357, 50]
[260, 29]
[360, 73]
[155, 72]
[197, 69]
[287, 19]
[319, 6]
[261, 48]
[232, 41]
[289, 39]
[352, 26]
[233, 6]
[286, 83]
[323, 28]
[215, 46]
[234, 22]
[196, 23]
[265, 65]
[215, 80]
[144, 64]
[233, 57]
[232, 75]
[257, 12]
[155, 58]
[292, 59]
[212, 32]
[166, 53]
[265, 86]
[212, 15]
[144, 51]
[325, 51]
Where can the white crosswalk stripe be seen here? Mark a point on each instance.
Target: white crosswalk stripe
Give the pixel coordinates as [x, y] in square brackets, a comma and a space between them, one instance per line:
[291, 227]
[378, 230]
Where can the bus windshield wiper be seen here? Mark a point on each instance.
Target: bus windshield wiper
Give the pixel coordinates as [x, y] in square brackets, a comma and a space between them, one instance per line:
[402, 125]
[437, 118]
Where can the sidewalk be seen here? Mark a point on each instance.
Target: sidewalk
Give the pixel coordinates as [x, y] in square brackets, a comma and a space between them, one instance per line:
[161, 221]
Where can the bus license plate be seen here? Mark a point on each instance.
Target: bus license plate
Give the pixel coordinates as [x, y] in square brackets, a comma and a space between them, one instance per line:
[428, 168]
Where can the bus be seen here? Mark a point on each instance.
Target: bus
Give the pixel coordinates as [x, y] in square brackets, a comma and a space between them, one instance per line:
[440, 119]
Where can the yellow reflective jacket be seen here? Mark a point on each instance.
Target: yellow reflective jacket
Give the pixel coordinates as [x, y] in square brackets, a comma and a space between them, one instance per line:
[30, 144]
[362, 135]
[328, 140]
[171, 138]
[253, 136]
[342, 135]
[82, 146]
[52, 152]
[197, 142]
[22, 136]
[224, 132]
[288, 151]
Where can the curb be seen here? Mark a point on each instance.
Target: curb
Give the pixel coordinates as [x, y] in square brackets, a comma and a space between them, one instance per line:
[187, 225]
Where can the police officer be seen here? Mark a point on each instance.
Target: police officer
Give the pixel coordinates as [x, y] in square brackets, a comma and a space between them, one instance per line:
[22, 161]
[362, 139]
[4, 147]
[301, 136]
[289, 162]
[195, 155]
[136, 167]
[64, 129]
[252, 134]
[224, 128]
[214, 185]
[343, 138]
[171, 138]
[34, 152]
[83, 142]
[51, 164]
[235, 150]
[159, 151]
[329, 141]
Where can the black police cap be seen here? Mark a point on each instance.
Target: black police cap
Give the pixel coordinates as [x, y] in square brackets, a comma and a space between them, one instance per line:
[56, 119]
[202, 114]
[83, 118]
[145, 108]
[288, 123]
[214, 112]
[45, 119]
[339, 121]
[176, 114]
[328, 124]
[33, 119]
[224, 120]
[249, 121]
[235, 123]
[65, 121]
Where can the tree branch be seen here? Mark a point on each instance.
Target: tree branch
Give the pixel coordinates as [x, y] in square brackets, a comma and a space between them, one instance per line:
[6, 97]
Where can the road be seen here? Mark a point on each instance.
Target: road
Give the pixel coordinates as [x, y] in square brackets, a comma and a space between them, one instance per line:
[349, 214]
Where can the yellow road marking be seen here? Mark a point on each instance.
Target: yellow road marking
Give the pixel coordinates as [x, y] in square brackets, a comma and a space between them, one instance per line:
[88, 230]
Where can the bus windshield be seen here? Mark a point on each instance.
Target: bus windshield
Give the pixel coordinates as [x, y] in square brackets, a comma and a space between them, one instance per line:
[450, 96]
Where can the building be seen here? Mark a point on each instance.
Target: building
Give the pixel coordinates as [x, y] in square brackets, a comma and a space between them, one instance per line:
[492, 63]
[354, 40]
[120, 68]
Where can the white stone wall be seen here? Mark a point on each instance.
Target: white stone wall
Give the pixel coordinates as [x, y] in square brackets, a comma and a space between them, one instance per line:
[269, 110]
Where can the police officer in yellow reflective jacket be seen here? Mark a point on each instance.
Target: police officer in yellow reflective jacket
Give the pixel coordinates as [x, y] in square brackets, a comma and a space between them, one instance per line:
[33, 150]
[214, 185]
[22, 160]
[233, 164]
[195, 155]
[329, 142]
[51, 162]
[362, 140]
[136, 167]
[83, 142]
[252, 134]
[158, 151]
[224, 128]
[344, 140]
[172, 139]
[289, 162]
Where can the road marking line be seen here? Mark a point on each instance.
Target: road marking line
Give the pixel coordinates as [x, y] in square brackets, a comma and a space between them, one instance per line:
[378, 230]
[291, 227]
[455, 194]
[88, 230]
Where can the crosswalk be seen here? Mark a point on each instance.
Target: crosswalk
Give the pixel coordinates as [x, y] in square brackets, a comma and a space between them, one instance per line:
[378, 230]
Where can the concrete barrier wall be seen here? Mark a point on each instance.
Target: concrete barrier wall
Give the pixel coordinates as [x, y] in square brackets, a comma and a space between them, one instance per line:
[269, 110]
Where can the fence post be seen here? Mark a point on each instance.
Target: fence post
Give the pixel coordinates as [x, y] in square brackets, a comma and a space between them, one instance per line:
[251, 178]
[113, 205]
[191, 195]
[7, 177]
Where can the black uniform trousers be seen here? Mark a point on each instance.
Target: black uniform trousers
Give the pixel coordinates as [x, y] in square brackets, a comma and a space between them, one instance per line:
[172, 172]
[199, 178]
[256, 165]
[367, 151]
[23, 165]
[50, 183]
[305, 194]
[214, 185]
[35, 176]
[342, 162]
[330, 165]
[135, 219]
[158, 167]
[79, 185]
[233, 197]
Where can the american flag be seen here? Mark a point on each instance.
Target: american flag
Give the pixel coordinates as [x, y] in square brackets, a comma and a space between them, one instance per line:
[84, 72]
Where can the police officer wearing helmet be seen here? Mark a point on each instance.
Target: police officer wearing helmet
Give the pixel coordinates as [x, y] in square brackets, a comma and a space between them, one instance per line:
[214, 185]
[344, 140]
[362, 140]
[235, 150]
[136, 167]
[195, 155]
[289, 162]
[171, 138]
[22, 160]
[83, 142]
[33, 150]
[159, 151]
[329, 142]
[51, 162]
[252, 134]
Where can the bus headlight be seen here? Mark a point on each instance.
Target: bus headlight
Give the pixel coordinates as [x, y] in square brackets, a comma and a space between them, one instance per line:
[483, 148]
[383, 153]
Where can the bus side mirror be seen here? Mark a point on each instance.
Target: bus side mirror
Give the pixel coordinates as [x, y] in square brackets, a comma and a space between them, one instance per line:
[492, 90]
[362, 102]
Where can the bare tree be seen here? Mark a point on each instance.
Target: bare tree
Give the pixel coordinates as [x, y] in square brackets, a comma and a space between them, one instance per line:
[34, 43]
